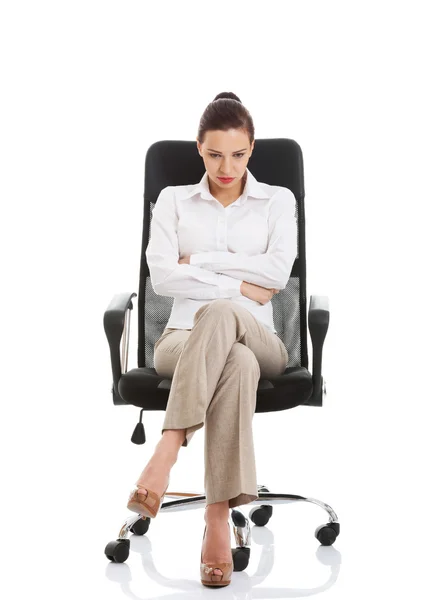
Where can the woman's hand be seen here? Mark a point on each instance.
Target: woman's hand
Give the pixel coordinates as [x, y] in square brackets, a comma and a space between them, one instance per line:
[184, 261]
[257, 293]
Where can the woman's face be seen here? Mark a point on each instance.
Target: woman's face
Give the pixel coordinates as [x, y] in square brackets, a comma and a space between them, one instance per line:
[226, 154]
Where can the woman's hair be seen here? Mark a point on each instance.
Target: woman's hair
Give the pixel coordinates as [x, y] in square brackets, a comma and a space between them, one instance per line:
[225, 112]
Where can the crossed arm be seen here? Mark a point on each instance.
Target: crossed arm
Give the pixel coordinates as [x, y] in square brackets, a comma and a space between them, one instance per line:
[185, 260]
[221, 273]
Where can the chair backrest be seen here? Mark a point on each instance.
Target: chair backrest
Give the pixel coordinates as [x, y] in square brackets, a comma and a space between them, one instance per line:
[275, 161]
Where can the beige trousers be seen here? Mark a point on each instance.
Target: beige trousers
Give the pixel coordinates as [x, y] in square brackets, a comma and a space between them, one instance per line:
[215, 368]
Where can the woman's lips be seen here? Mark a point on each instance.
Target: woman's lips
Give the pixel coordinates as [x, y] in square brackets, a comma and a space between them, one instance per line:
[226, 179]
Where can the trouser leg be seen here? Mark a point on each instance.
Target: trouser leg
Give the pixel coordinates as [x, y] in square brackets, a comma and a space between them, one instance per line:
[230, 471]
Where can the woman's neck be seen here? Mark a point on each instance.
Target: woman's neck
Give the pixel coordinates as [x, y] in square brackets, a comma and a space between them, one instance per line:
[230, 195]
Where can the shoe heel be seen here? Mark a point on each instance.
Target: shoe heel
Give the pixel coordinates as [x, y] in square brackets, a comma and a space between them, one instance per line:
[146, 505]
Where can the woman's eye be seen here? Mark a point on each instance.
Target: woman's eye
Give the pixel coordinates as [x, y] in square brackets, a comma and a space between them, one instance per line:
[240, 155]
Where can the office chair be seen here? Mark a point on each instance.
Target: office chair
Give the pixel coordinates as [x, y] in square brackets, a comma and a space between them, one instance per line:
[277, 162]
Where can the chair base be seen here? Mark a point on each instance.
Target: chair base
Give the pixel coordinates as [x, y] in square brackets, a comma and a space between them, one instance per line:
[260, 514]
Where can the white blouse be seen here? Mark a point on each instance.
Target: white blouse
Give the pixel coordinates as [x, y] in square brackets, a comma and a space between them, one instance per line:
[254, 239]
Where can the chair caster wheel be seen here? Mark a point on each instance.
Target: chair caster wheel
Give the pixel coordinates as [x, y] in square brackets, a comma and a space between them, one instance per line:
[260, 515]
[327, 534]
[238, 518]
[140, 527]
[240, 558]
[117, 551]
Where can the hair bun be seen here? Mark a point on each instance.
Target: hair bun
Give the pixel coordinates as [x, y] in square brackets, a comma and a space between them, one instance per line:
[228, 95]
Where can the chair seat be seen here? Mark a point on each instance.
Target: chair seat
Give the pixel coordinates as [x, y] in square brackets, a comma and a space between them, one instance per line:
[143, 387]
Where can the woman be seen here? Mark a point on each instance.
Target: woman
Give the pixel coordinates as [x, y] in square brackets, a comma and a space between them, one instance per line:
[220, 338]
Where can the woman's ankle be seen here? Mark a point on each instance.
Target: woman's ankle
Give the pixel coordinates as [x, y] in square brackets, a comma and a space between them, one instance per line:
[218, 511]
[170, 444]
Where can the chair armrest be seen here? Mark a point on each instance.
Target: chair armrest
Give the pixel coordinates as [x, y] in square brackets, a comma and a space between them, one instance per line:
[116, 321]
[318, 319]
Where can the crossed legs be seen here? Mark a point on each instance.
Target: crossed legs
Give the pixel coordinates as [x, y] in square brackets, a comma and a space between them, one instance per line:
[216, 368]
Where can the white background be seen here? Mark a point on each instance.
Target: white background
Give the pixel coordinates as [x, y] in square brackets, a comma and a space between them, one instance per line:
[87, 88]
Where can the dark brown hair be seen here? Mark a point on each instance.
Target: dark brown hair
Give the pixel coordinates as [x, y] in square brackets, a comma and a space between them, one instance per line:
[226, 111]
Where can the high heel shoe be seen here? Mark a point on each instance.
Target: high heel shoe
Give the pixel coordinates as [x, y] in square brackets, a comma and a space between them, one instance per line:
[144, 504]
[208, 577]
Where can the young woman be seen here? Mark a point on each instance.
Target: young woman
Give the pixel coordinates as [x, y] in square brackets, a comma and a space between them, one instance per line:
[236, 242]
